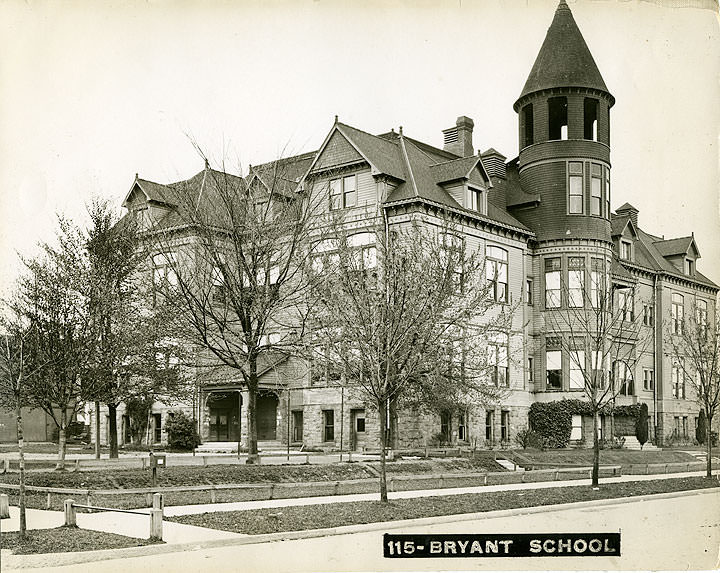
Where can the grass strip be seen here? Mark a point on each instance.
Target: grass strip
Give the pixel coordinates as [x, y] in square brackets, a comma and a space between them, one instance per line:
[298, 518]
[67, 539]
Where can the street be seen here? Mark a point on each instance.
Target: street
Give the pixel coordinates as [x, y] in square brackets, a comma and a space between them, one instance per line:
[659, 534]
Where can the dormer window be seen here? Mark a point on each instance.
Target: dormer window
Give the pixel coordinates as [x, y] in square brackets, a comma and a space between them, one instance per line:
[626, 250]
[475, 200]
[689, 267]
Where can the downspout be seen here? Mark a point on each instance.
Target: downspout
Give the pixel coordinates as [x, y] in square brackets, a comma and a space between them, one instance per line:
[657, 355]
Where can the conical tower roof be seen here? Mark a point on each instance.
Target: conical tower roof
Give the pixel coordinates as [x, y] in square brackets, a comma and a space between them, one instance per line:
[564, 59]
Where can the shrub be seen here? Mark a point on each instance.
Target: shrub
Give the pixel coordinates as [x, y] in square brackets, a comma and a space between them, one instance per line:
[528, 439]
[641, 425]
[553, 421]
[701, 430]
[182, 434]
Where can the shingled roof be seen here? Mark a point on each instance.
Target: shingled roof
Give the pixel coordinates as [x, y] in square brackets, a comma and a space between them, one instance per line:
[670, 247]
[564, 59]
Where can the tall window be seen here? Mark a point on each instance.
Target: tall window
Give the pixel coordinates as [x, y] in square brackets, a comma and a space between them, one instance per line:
[575, 187]
[597, 283]
[218, 287]
[576, 281]
[531, 369]
[598, 369]
[505, 425]
[590, 116]
[475, 200]
[577, 369]
[701, 317]
[558, 118]
[297, 420]
[648, 314]
[164, 275]
[452, 253]
[648, 379]
[489, 423]
[626, 250]
[498, 360]
[576, 428]
[462, 426]
[446, 425]
[496, 260]
[626, 304]
[689, 267]
[527, 112]
[623, 378]
[528, 291]
[552, 283]
[596, 190]
[343, 192]
[607, 192]
[328, 425]
[553, 367]
[677, 313]
[677, 378]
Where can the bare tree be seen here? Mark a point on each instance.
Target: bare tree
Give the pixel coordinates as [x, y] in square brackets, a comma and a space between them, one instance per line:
[234, 273]
[404, 313]
[15, 371]
[696, 351]
[600, 331]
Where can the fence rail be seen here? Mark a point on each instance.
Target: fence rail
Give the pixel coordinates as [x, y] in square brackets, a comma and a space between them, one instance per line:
[156, 514]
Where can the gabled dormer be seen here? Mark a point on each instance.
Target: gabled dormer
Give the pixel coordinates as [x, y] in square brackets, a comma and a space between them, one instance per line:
[148, 202]
[681, 252]
[624, 232]
[466, 180]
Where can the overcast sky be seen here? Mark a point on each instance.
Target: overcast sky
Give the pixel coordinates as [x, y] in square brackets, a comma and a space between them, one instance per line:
[93, 92]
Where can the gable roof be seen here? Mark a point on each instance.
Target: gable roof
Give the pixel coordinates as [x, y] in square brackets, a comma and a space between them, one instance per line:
[679, 246]
[153, 191]
[461, 168]
[564, 60]
[618, 224]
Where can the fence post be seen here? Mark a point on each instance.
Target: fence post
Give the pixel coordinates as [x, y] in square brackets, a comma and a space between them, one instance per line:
[485, 479]
[158, 502]
[87, 501]
[77, 465]
[156, 522]
[47, 504]
[307, 458]
[70, 517]
[6, 465]
[213, 495]
[349, 456]
[4, 506]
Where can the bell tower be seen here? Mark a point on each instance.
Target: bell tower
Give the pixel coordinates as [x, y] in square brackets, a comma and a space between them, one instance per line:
[564, 138]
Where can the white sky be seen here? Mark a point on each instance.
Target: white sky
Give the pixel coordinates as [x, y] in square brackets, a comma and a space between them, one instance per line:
[93, 92]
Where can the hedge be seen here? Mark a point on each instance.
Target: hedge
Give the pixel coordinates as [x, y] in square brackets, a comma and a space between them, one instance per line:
[553, 420]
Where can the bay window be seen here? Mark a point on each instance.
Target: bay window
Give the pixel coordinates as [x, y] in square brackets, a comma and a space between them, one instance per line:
[552, 282]
[576, 281]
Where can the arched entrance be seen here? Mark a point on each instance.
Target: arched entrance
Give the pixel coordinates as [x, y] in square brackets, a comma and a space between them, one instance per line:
[266, 412]
[224, 416]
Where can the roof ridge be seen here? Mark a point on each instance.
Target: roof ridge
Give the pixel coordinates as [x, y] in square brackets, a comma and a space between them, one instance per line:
[407, 162]
[366, 132]
[476, 157]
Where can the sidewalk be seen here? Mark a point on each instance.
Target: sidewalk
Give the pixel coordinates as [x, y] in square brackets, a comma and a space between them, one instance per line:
[173, 533]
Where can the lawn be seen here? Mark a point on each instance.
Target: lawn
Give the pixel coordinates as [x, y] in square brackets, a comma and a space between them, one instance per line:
[67, 539]
[338, 514]
[607, 457]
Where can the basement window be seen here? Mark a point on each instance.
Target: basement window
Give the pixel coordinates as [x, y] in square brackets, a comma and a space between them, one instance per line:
[558, 118]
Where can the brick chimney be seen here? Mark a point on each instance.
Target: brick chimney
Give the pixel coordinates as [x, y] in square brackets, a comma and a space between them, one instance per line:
[458, 139]
[628, 210]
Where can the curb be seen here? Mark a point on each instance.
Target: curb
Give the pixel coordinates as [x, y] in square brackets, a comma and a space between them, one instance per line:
[61, 559]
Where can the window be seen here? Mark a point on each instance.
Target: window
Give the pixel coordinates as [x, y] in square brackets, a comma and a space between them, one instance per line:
[498, 360]
[475, 200]
[530, 369]
[577, 370]
[648, 314]
[552, 283]
[328, 425]
[677, 313]
[527, 116]
[701, 317]
[505, 425]
[323, 368]
[623, 378]
[597, 283]
[626, 304]
[219, 291]
[591, 117]
[598, 369]
[462, 426]
[446, 426]
[576, 431]
[496, 260]
[677, 379]
[681, 426]
[575, 187]
[489, 422]
[607, 190]
[297, 422]
[157, 423]
[626, 250]
[553, 367]
[164, 274]
[596, 190]
[689, 267]
[452, 253]
[528, 291]
[648, 379]
[558, 118]
[576, 282]
[343, 192]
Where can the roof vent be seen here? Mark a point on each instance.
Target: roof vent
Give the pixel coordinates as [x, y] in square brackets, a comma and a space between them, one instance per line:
[458, 139]
[494, 163]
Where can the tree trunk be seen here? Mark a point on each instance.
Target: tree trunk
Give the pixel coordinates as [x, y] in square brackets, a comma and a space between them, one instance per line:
[708, 440]
[21, 451]
[596, 451]
[253, 457]
[383, 446]
[97, 430]
[112, 430]
[62, 440]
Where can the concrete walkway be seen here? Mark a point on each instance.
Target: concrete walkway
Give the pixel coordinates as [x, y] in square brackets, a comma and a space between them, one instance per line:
[138, 525]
